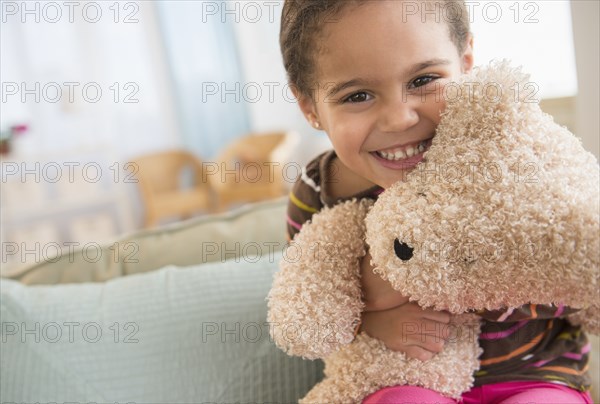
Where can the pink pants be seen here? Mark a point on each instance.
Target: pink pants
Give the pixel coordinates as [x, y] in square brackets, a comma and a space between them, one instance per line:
[498, 393]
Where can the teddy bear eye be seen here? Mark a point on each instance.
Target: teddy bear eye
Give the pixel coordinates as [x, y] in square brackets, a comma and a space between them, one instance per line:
[403, 250]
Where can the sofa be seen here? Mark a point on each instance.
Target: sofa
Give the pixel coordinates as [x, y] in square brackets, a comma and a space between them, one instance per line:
[169, 315]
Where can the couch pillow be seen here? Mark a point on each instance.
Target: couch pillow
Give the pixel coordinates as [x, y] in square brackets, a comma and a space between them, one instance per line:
[211, 238]
[175, 335]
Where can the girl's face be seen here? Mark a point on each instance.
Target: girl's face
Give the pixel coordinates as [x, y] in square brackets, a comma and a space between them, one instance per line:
[380, 78]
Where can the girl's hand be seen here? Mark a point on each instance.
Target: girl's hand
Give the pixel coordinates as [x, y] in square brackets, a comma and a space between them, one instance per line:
[401, 325]
[419, 333]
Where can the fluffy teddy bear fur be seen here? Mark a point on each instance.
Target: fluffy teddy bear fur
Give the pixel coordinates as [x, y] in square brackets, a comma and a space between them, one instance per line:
[503, 211]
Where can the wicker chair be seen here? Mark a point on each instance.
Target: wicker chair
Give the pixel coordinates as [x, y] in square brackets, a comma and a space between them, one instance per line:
[245, 172]
[161, 178]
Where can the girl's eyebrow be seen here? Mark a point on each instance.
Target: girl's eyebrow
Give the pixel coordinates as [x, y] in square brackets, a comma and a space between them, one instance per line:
[337, 87]
[428, 63]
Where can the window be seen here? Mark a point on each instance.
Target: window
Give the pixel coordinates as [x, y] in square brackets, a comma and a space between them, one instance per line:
[535, 34]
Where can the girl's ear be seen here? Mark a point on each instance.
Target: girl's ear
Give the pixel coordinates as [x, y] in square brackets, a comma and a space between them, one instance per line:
[308, 108]
[467, 56]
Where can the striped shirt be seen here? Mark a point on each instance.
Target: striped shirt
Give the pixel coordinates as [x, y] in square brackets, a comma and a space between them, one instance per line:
[532, 342]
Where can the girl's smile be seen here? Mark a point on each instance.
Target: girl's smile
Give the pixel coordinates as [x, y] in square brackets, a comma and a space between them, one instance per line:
[402, 157]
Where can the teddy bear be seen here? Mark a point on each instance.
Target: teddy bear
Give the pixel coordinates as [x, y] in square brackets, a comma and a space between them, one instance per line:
[503, 211]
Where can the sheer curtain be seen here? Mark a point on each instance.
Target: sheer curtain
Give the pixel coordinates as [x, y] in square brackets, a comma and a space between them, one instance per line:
[206, 75]
[100, 83]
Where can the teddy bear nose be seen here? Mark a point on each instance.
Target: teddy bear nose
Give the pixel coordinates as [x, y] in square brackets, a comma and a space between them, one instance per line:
[403, 250]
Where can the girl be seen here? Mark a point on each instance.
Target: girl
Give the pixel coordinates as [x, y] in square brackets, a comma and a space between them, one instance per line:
[371, 74]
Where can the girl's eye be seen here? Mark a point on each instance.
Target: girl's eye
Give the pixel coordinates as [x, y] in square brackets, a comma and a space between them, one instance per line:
[357, 97]
[421, 81]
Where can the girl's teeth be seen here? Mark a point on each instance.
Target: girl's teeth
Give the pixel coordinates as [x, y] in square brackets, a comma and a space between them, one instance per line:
[409, 152]
[399, 155]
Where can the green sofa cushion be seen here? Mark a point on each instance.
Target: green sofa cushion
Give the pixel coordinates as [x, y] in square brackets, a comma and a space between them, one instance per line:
[175, 335]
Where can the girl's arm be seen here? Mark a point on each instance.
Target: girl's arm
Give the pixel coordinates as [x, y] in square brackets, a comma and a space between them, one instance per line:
[378, 294]
[401, 325]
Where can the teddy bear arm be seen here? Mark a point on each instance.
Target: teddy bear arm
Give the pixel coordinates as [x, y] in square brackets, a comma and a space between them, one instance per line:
[315, 301]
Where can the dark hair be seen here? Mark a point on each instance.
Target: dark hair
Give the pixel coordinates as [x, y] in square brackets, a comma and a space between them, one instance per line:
[303, 20]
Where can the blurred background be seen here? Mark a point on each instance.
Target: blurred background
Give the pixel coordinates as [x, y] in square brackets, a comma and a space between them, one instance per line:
[122, 115]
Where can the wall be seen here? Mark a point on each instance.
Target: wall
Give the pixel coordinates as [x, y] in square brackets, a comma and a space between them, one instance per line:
[586, 33]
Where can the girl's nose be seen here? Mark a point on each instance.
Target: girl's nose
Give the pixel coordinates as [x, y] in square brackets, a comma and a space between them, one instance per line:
[398, 116]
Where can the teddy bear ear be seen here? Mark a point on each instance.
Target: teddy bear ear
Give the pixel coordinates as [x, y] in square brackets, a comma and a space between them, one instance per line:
[483, 102]
[495, 83]
[403, 250]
